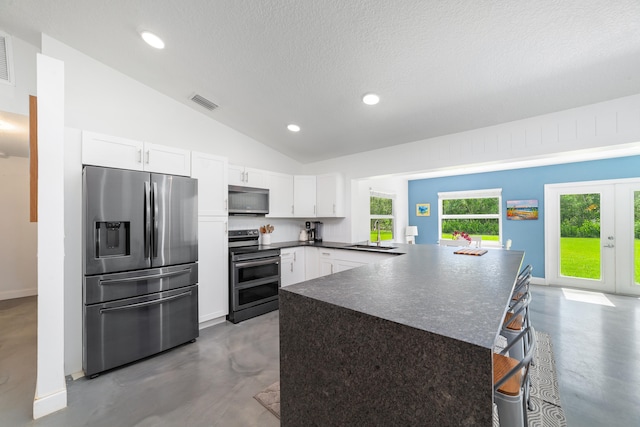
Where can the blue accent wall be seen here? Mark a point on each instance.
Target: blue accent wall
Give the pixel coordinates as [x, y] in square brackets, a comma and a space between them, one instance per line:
[517, 184]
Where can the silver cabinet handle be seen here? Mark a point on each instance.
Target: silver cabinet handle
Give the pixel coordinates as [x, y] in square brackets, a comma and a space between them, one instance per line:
[140, 155]
[314, 209]
[609, 246]
[226, 227]
[292, 267]
[291, 209]
[294, 256]
[226, 204]
[148, 155]
[334, 208]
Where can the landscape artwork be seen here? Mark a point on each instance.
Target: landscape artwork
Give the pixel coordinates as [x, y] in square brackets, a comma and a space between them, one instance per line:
[423, 209]
[522, 209]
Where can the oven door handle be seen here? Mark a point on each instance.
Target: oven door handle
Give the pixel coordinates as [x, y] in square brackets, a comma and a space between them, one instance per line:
[151, 276]
[264, 261]
[144, 304]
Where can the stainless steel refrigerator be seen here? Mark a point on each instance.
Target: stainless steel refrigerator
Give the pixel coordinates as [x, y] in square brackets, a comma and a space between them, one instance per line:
[140, 288]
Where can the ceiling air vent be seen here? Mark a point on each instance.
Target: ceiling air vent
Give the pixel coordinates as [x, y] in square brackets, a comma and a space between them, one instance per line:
[204, 102]
[6, 63]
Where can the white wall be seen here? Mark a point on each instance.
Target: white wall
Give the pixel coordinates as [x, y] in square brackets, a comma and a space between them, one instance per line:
[51, 392]
[103, 100]
[19, 236]
[606, 124]
[15, 99]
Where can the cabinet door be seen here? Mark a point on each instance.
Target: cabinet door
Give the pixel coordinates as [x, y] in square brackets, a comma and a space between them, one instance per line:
[286, 267]
[169, 160]
[280, 195]
[236, 175]
[330, 195]
[304, 196]
[311, 263]
[111, 151]
[213, 266]
[299, 274]
[343, 265]
[211, 172]
[325, 265]
[255, 178]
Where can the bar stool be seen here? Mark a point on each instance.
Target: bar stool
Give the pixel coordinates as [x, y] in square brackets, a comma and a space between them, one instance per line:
[511, 381]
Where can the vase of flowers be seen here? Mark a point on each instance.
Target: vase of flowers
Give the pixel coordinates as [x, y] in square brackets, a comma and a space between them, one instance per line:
[461, 235]
[266, 231]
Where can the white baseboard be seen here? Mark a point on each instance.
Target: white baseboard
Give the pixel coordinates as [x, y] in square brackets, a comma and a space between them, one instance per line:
[539, 281]
[18, 293]
[49, 404]
[211, 322]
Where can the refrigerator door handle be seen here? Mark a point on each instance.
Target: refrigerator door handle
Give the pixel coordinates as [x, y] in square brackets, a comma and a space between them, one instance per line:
[147, 218]
[152, 276]
[155, 219]
[144, 304]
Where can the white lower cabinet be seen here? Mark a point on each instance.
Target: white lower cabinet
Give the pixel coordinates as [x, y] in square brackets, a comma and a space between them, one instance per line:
[336, 260]
[213, 266]
[292, 266]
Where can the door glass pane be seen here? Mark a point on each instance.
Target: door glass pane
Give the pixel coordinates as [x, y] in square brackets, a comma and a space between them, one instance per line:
[636, 237]
[580, 236]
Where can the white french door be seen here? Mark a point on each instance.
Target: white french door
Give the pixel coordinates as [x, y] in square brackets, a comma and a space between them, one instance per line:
[591, 241]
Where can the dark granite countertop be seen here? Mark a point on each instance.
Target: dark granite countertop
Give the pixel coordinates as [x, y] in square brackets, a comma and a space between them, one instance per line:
[429, 288]
[398, 248]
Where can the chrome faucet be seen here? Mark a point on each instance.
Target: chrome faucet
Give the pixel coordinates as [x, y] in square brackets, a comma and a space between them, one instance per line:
[376, 225]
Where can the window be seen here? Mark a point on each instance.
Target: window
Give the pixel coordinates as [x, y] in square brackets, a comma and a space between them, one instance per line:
[477, 213]
[381, 213]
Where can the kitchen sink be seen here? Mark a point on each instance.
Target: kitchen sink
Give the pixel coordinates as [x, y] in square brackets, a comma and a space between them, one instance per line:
[374, 247]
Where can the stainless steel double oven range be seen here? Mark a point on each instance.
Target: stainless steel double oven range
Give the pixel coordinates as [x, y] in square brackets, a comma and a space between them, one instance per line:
[140, 273]
[254, 276]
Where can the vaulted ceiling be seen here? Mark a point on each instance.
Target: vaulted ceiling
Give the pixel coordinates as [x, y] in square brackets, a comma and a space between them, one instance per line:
[439, 67]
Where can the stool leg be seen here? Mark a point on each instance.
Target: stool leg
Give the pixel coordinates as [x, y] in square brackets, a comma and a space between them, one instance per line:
[509, 410]
[517, 351]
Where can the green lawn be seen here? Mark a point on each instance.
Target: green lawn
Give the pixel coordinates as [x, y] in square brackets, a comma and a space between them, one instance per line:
[580, 257]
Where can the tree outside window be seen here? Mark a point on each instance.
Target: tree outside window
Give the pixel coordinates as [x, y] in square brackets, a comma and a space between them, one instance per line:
[476, 213]
[381, 213]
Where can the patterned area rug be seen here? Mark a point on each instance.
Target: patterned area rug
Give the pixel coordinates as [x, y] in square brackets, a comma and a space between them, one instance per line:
[270, 398]
[545, 397]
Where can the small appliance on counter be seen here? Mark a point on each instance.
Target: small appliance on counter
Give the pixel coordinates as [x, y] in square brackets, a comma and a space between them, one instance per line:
[317, 231]
[309, 231]
[304, 235]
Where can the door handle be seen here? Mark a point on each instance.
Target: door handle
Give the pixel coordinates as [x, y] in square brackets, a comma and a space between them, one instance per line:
[147, 218]
[145, 304]
[155, 219]
[609, 246]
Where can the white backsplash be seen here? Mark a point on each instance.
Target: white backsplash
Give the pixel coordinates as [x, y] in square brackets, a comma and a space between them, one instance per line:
[287, 229]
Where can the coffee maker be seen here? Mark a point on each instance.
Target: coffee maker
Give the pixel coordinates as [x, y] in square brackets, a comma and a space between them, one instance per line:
[317, 231]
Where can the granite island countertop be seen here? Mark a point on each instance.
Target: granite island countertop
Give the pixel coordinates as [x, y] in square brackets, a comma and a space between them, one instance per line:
[428, 287]
[404, 341]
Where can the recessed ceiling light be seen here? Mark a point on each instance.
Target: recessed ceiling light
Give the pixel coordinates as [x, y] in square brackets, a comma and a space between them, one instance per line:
[371, 99]
[293, 128]
[152, 40]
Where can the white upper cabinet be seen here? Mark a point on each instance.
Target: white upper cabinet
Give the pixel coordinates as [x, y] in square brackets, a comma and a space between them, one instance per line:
[111, 151]
[304, 196]
[247, 177]
[330, 195]
[280, 187]
[211, 172]
[122, 153]
[169, 160]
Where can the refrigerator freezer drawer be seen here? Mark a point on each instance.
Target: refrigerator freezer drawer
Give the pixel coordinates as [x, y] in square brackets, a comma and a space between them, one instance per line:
[124, 331]
[116, 286]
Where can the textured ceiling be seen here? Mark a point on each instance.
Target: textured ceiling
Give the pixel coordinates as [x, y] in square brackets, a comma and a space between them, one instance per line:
[439, 67]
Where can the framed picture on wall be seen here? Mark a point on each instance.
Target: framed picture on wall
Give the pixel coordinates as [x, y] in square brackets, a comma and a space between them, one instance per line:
[423, 209]
[522, 209]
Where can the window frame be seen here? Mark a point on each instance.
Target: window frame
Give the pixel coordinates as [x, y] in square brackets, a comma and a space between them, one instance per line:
[472, 194]
[392, 217]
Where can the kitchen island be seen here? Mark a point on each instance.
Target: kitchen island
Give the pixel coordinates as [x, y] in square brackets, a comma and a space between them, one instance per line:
[406, 341]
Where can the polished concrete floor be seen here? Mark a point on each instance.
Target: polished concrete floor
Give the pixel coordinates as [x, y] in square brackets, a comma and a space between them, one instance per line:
[212, 382]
